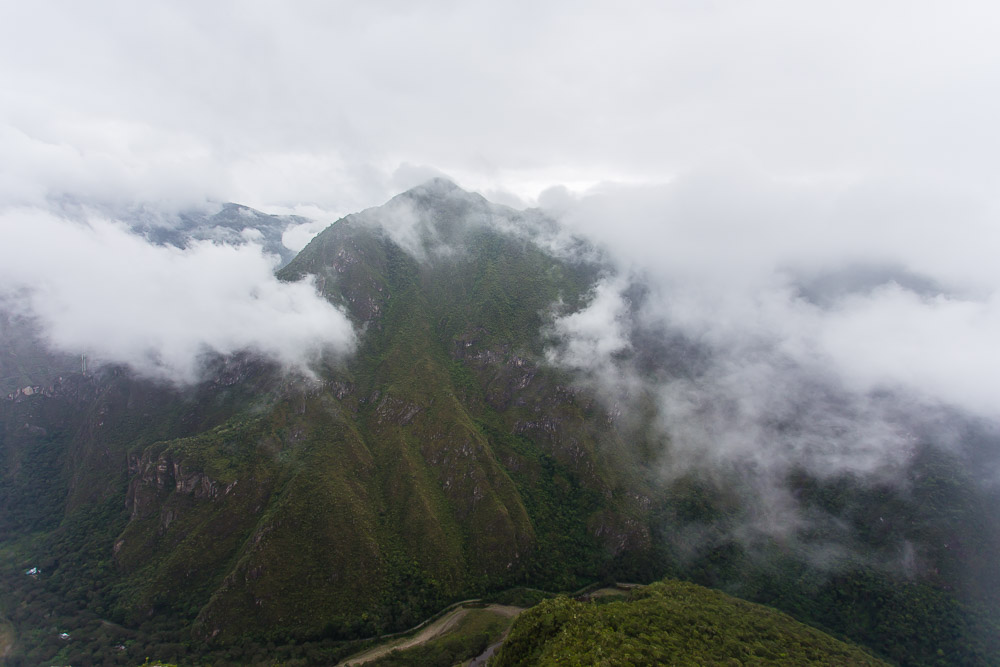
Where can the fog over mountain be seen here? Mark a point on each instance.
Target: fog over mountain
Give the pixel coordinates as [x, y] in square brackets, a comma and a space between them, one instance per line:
[783, 146]
[781, 327]
[677, 406]
[769, 341]
[97, 287]
[790, 210]
[780, 283]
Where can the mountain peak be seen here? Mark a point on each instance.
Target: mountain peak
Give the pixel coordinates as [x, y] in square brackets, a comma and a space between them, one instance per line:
[441, 183]
[438, 185]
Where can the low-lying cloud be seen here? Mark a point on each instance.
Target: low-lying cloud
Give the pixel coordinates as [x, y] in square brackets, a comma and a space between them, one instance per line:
[591, 339]
[826, 328]
[738, 264]
[95, 287]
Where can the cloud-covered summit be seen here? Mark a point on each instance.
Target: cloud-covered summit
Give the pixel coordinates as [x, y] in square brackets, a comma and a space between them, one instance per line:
[763, 154]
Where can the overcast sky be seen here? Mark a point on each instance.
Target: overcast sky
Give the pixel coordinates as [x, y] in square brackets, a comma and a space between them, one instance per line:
[339, 105]
[730, 149]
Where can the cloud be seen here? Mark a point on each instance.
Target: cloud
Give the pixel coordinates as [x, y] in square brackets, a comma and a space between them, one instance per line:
[780, 327]
[297, 236]
[105, 161]
[408, 176]
[312, 103]
[98, 289]
[942, 348]
[737, 262]
[769, 147]
[591, 340]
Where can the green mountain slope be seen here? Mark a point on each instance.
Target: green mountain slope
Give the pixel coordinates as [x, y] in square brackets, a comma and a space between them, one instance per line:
[445, 459]
[669, 623]
[439, 462]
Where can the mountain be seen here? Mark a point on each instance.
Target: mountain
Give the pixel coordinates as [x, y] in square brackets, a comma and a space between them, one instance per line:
[669, 623]
[234, 224]
[439, 462]
[261, 513]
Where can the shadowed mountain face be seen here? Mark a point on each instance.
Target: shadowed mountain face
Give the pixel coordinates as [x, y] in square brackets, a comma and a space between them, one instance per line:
[25, 361]
[441, 461]
[449, 457]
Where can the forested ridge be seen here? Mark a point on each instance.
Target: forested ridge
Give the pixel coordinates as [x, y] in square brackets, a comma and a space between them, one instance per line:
[259, 516]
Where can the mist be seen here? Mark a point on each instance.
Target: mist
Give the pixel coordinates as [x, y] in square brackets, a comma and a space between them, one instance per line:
[829, 329]
[804, 193]
[881, 290]
[94, 287]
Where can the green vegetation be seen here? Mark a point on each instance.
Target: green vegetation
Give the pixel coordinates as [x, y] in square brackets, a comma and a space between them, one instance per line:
[257, 517]
[897, 591]
[7, 638]
[468, 637]
[673, 623]
[254, 510]
[520, 597]
[910, 623]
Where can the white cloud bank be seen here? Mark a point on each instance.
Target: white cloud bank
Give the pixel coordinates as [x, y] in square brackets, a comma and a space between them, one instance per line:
[885, 289]
[827, 326]
[98, 289]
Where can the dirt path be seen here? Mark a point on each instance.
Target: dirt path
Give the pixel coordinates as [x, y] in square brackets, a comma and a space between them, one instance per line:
[432, 631]
[450, 619]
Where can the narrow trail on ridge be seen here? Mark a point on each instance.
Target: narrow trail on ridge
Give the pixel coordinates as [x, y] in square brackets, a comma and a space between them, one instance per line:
[432, 631]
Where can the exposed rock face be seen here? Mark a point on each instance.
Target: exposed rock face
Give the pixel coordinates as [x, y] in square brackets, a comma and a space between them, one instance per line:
[442, 460]
[154, 479]
[394, 410]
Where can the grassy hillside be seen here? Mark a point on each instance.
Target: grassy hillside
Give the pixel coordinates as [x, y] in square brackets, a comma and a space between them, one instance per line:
[669, 623]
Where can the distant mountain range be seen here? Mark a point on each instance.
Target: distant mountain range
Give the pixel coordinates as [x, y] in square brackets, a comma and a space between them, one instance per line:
[233, 224]
[25, 360]
[447, 458]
